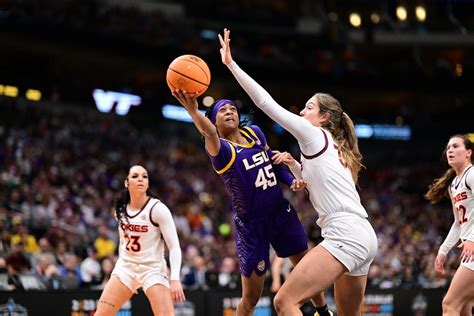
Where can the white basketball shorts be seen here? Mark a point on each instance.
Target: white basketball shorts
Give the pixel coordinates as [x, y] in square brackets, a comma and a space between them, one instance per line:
[352, 241]
[135, 275]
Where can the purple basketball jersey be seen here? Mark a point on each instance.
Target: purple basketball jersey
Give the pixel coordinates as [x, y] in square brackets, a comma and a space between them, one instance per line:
[248, 175]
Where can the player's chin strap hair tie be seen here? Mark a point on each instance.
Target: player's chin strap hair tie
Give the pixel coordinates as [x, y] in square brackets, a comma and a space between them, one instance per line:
[217, 106]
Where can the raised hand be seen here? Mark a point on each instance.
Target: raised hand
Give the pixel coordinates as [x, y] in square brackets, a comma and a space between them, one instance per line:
[225, 47]
[187, 101]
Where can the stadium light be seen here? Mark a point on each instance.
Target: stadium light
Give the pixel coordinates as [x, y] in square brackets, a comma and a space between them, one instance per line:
[401, 13]
[33, 95]
[355, 19]
[10, 91]
[420, 13]
[375, 18]
[207, 101]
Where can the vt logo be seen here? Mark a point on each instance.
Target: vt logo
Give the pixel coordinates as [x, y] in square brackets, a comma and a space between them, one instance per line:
[106, 100]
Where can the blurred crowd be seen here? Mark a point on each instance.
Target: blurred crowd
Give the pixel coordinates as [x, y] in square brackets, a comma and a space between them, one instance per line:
[61, 169]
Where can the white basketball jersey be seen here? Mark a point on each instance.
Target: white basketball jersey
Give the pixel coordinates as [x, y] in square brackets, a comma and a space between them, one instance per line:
[330, 185]
[141, 240]
[463, 201]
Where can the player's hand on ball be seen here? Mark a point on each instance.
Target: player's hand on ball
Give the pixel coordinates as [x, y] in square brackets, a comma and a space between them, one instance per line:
[298, 185]
[177, 293]
[283, 157]
[187, 101]
[225, 47]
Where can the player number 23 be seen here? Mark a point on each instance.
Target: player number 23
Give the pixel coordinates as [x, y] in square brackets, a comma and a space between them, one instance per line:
[265, 178]
[132, 243]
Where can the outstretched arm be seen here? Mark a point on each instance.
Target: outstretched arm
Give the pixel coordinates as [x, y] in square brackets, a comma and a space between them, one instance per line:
[203, 124]
[293, 123]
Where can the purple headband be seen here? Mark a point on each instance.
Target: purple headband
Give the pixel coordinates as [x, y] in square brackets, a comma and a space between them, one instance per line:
[217, 106]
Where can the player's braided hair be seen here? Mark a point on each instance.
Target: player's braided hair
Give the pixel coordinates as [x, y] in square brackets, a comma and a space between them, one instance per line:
[439, 188]
[342, 128]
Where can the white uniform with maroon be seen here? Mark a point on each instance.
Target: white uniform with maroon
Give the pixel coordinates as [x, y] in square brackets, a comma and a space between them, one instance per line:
[141, 260]
[347, 233]
[462, 198]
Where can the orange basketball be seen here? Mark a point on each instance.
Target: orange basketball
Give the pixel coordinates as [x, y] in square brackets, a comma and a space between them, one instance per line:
[190, 73]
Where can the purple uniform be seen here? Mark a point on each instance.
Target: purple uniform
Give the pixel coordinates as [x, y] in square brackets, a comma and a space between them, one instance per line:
[261, 215]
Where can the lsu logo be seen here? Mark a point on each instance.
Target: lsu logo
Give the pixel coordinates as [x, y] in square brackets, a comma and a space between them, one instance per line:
[261, 265]
[257, 159]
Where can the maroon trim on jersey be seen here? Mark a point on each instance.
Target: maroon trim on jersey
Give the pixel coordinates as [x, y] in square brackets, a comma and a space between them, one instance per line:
[465, 179]
[326, 142]
[143, 207]
[460, 180]
[151, 217]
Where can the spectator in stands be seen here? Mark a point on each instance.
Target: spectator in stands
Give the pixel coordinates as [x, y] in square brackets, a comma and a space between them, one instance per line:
[45, 270]
[62, 251]
[106, 268]
[44, 249]
[103, 244]
[228, 278]
[5, 236]
[90, 268]
[17, 264]
[195, 277]
[29, 241]
[71, 277]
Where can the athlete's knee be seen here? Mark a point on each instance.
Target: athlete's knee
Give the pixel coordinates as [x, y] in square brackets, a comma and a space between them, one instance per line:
[450, 305]
[249, 301]
[278, 303]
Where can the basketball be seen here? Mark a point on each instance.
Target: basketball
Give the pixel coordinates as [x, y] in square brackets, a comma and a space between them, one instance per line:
[189, 73]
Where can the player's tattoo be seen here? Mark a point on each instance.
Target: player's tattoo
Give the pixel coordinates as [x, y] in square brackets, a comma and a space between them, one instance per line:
[106, 303]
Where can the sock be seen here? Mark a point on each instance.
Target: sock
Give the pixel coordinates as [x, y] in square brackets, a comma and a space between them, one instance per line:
[323, 310]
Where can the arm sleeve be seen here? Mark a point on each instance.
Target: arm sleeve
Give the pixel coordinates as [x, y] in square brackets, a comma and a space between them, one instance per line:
[296, 170]
[162, 216]
[293, 123]
[453, 236]
[470, 184]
